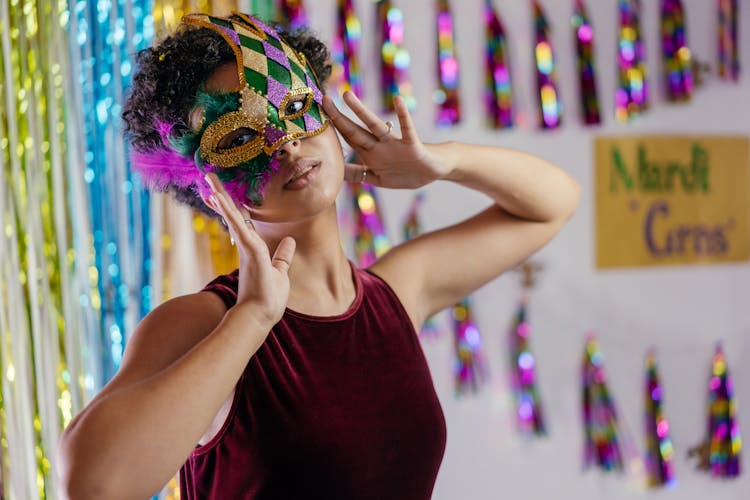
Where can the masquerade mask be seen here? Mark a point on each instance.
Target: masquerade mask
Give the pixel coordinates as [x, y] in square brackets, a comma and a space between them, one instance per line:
[277, 100]
[235, 134]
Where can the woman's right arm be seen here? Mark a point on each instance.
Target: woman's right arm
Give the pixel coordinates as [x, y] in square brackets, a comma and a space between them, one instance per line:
[181, 364]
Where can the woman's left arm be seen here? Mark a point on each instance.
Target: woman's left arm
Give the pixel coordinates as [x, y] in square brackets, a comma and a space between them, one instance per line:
[533, 200]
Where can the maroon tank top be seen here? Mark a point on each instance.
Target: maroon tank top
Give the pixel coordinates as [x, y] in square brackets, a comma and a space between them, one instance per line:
[339, 407]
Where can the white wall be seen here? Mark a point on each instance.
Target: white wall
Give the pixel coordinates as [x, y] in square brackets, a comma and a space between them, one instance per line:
[682, 311]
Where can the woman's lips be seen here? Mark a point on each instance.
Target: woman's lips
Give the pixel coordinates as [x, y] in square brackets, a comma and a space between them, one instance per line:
[304, 174]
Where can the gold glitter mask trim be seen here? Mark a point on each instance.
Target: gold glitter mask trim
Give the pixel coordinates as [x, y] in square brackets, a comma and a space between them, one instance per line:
[251, 115]
[230, 157]
[279, 82]
[292, 98]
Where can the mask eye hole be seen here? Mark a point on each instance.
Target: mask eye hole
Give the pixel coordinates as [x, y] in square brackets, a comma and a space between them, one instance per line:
[296, 103]
[294, 107]
[232, 139]
[236, 138]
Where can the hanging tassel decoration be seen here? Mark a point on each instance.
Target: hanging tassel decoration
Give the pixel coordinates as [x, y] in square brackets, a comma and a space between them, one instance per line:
[659, 450]
[601, 429]
[447, 95]
[584, 39]
[498, 97]
[346, 73]
[412, 226]
[675, 52]
[529, 417]
[720, 451]
[631, 97]
[550, 108]
[394, 58]
[729, 60]
[370, 238]
[470, 369]
[294, 12]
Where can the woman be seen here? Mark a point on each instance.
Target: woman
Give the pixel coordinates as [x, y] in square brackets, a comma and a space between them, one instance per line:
[298, 375]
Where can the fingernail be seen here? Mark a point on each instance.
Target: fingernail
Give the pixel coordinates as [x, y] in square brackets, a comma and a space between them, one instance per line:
[210, 182]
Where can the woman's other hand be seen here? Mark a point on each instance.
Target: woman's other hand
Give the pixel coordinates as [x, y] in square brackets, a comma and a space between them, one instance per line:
[263, 279]
[390, 161]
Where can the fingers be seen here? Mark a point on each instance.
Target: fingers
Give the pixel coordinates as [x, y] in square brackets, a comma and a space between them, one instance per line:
[282, 257]
[240, 226]
[377, 127]
[239, 230]
[352, 133]
[408, 131]
[355, 172]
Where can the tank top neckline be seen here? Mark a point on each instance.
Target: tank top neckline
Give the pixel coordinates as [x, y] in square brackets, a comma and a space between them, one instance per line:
[353, 307]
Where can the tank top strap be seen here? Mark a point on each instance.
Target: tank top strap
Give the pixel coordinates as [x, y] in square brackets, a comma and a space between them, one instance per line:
[225, 286]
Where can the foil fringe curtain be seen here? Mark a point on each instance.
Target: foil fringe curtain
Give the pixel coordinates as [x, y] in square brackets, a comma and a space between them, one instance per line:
[59, 111]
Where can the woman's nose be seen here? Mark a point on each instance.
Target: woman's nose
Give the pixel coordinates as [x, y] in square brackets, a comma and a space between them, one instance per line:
[288, 147]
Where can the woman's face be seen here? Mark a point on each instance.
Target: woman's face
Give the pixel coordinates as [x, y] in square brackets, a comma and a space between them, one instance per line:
[310, 170]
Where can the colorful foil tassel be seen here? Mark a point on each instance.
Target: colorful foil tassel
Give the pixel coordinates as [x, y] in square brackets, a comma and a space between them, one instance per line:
[550, 108]
[370, 238]
[659, 450]
[346, 73]
[601, 429]
[498, 97]
[529, 415]
[584, 39]
[720, 451]
[294, 12]
[470, 370]
[729, 59]
[394, 58]
[447, 96]
[675, 52]
[411, 229]
[631, 96]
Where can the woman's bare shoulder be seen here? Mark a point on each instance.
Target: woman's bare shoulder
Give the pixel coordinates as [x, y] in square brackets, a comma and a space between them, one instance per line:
[167, 333]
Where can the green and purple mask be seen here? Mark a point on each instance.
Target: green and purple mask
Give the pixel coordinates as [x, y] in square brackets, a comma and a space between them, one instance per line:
[278, 100]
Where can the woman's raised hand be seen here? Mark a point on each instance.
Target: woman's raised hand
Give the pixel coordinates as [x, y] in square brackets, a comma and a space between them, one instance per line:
[390, 161]
[263, 279]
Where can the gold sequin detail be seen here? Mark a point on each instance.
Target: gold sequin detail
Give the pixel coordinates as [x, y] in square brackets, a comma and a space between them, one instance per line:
[289, 97]
[255, 105]
[255, 61]
[299, 135]
[259, 33]
[251, 115]
[223, 126]
[202, 20]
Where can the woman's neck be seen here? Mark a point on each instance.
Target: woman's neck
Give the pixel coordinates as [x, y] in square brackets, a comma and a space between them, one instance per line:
[320, 275]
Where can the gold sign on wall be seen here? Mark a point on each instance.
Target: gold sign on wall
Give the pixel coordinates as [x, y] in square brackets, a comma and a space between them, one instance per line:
[671, 200]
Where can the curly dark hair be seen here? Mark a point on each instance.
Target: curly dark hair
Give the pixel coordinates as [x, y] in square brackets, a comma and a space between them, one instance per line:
[169, 74]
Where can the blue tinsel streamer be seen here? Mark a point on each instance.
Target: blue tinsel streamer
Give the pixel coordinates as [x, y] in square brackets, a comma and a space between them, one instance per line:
[105, 37]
